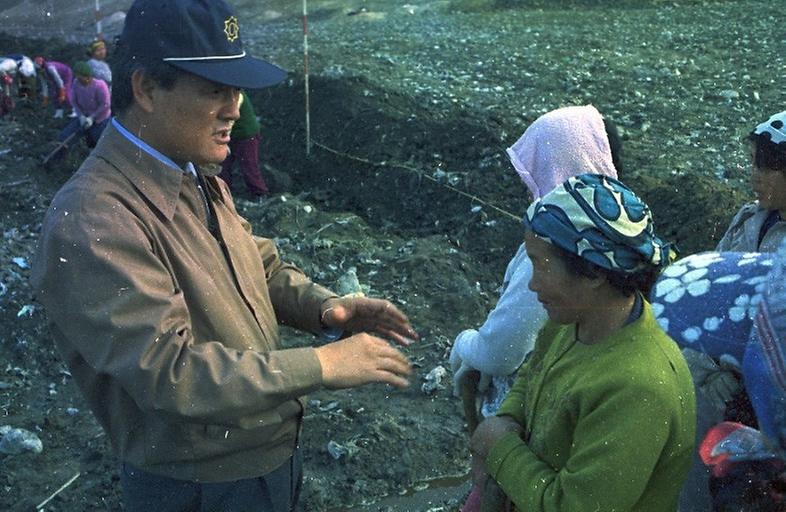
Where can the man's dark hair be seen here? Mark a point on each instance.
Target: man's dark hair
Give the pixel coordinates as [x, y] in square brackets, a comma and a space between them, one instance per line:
[768, 155]
[626, 283]
[123, 64]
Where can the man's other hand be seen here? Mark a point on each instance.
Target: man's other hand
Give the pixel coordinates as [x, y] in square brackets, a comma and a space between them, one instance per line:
[362, 359]
[362, 314]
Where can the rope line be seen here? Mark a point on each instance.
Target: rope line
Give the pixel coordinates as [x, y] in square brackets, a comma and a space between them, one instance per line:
[420, 174]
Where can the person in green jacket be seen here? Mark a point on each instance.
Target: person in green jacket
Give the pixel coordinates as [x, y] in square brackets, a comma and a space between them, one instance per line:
[601, 416]
[244, 148]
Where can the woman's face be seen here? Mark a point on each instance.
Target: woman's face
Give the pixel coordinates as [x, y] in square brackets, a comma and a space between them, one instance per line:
[99, 53]
[769, 186]
[566, 297]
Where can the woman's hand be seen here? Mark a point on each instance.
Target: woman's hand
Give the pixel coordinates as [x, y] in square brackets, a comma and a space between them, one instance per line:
[490, 432]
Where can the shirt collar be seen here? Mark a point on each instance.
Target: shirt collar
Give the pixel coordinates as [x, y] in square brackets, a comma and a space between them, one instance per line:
[151, 150]
[161, 183]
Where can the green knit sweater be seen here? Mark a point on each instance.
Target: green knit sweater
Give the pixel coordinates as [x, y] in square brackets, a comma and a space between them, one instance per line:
[610, 425]
[247, 125]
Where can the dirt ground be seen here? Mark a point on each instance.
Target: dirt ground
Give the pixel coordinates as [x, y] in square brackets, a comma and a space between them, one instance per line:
[412, 105]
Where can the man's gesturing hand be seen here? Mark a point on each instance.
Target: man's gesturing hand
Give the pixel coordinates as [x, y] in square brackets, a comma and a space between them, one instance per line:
[361, 359]
[362, 314]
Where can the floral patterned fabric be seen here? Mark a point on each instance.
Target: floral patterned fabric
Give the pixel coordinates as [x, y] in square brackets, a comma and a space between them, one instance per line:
[601, 220]
[707, 301]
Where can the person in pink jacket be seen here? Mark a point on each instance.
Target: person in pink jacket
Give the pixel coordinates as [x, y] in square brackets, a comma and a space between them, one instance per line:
[91, 102]
[59, 77]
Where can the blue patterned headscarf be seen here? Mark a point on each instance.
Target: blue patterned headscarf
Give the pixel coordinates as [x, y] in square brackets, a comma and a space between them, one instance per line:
[602, 221]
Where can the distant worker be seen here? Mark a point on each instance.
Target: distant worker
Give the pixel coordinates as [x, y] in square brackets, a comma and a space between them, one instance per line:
[98, 63]
[7, 74]
[91, 102]
[244, 148]
[25, 76]
[59, 77]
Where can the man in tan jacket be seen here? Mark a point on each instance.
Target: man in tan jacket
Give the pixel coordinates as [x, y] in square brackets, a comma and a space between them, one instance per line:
[164, 305]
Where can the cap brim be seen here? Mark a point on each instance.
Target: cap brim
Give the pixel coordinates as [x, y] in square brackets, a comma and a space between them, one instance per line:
[246, 72]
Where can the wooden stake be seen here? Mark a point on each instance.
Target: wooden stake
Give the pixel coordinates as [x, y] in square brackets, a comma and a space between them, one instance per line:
[305, 73]
[99, 34]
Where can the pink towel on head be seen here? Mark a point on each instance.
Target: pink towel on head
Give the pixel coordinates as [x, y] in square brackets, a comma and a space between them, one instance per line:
[559, 145]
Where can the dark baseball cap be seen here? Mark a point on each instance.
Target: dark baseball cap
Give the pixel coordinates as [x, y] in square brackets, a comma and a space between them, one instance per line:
[198, 36]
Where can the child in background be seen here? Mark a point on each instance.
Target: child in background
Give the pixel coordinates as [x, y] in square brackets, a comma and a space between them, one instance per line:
[760, 226]
[757, 227]
[244, 148]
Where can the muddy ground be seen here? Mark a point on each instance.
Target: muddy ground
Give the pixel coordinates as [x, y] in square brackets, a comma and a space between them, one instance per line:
[412, 105]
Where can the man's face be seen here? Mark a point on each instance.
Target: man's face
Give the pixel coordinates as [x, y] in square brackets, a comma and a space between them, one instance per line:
[565, 296]
[84, 80]
[191, 122]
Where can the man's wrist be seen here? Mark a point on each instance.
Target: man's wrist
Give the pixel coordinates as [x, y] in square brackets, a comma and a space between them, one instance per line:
[329, 333]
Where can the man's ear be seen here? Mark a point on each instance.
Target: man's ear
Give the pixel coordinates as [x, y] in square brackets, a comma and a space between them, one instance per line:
[143, 88]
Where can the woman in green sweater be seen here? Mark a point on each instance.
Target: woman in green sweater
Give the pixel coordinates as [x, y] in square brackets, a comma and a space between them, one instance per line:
[601, 416]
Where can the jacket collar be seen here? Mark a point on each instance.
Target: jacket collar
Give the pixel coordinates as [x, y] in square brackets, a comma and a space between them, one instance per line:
[159, 182]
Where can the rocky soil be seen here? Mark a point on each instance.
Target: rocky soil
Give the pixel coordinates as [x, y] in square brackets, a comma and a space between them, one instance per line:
[406, 194]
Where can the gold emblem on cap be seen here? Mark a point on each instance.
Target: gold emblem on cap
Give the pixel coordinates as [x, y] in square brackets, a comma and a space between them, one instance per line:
[231, 28]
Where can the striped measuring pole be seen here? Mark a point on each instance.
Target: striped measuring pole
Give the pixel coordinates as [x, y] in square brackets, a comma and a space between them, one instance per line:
[305, 73]
[99, 34]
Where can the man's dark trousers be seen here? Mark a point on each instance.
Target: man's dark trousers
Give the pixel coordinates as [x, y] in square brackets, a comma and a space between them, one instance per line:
[278, 491]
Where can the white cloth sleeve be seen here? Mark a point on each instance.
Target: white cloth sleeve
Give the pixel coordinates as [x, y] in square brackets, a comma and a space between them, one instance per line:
[500, 345]
[55, 76]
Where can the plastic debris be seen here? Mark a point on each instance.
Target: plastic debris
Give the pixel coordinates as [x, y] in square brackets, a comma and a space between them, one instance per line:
[434, 380]
[730, 94]
[27, 310]
[328, 407]
[17, 440]
[336, 450]
[20, 262]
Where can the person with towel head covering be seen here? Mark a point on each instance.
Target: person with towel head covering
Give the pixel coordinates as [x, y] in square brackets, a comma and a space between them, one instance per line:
[558, 145]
